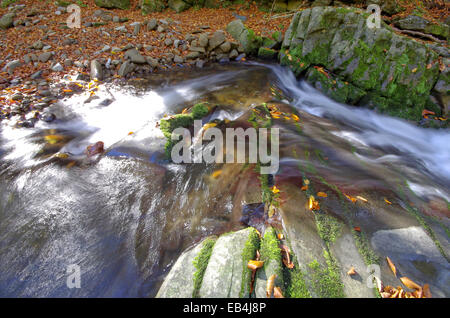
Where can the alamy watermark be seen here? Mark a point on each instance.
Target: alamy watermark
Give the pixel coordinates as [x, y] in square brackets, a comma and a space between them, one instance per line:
[73, 276]
[373, 21]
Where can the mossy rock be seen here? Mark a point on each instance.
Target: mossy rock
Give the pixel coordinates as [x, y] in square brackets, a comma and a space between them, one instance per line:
[395, 68]
[185, 276]
[246, 37]
[113, 4]
[267, 54]
[149, 6]
[271, 255]
[227, 275]
[178, 5]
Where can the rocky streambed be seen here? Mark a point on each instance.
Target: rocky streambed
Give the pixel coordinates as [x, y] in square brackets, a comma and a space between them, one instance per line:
[86, 179]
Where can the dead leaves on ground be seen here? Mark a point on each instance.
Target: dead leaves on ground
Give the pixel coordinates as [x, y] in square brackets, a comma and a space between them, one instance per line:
[399, 292]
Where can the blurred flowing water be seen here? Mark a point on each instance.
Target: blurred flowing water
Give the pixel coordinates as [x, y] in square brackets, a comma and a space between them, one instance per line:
[126, 217]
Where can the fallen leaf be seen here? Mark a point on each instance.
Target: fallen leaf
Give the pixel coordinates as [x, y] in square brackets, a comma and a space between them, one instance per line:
[351, 271]
[270, 285]
[275, 190]
[254, 264]
[280, 236]
[322, 194]
[304, 188]
[426, 291]
[427, 112]
[387, 201]
[361, 198]
[271, 211]
[357, 228]
[414, 70]
[409, 283]
[216, 174]
[277, 293]
[295, 117]
[392, 266]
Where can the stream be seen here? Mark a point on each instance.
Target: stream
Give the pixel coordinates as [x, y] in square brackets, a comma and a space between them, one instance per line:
[124, 217]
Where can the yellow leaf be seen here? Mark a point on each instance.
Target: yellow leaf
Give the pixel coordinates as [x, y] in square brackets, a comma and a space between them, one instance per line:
[409, 283]
[392, 266]
[184, 111]
[295, 117]
[361, 198]
[271, 211]
[387, 201]
[253, 265]
[216, 173]
[275, 190]
[322, 194]
[306, 181]
[270, 285]
[61, 155]
[414, 70]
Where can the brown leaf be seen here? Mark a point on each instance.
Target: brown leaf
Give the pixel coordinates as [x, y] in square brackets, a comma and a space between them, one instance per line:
[409, 283]
[286, 256]
[277, 292]
[270, 285]
[392, 266]
[426, 291]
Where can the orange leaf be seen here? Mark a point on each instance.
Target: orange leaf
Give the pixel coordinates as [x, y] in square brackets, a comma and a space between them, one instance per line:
[322, 194]
[304, 188]
[216, 173]
[277, 293]
[280, 236]
[427, 112]
[392, 266]
[351, 271]
[409, 283]
[357, 228]
[253, 265]
[426, 291]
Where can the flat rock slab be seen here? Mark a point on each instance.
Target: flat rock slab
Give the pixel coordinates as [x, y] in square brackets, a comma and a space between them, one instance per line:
[347, 254]
[416, 256]
[179, 283]
[223, 276]
[263, 274]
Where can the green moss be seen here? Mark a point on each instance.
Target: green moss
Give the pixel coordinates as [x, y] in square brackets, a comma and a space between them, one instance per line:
[326, 281]
[269, 246]
[149, 6]
[200, 110]
[294, 281]
[363, 246]
[167, 126]
[329, 228]
[266, 53]
[248, 253]
[200, 263]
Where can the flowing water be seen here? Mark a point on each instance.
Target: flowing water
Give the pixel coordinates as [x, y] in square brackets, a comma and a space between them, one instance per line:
[126, 216]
